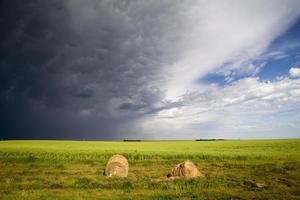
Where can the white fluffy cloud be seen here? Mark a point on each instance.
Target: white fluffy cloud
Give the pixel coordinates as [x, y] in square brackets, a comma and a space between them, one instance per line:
[249, 106]
[219, 32]
[228, 38]
[294, 72]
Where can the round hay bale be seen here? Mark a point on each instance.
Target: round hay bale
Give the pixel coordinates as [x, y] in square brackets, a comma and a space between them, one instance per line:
[117, 165]
[186, 169]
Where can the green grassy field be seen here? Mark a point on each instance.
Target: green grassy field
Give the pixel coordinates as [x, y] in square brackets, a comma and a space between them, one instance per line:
[74, 170]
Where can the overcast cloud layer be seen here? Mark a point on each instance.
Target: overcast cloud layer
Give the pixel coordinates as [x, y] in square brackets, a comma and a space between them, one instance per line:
[89, 69]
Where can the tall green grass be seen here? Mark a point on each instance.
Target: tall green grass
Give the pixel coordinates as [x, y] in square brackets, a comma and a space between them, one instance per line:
[150, 151]
[74, 169]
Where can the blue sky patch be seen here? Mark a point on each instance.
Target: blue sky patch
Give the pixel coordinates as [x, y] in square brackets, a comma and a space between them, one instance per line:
[282, 54]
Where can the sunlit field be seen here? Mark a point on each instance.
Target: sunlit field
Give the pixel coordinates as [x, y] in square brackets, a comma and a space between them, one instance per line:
[74, 170]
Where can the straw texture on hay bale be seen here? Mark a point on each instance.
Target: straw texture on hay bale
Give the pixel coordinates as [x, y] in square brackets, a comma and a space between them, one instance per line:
[186, 169]
[117, 165]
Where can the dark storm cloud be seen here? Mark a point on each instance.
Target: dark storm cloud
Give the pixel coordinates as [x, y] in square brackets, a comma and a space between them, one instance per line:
[82, 69]
[85, 92]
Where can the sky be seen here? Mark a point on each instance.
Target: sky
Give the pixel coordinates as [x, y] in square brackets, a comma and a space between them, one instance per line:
[167, 69]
